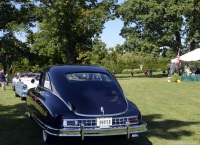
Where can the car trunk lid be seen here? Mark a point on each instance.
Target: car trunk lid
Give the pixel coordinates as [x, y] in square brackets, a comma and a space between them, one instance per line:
[96, 99]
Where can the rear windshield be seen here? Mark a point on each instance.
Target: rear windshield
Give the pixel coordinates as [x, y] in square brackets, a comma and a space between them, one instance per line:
[88, 77]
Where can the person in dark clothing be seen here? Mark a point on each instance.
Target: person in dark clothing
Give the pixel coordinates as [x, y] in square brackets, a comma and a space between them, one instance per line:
[113, 72]
[3, 80]
[197, 72]
[150, 72]
[132, 72]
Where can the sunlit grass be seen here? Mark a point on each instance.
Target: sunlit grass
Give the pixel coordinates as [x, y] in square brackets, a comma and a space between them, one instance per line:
[171, 111]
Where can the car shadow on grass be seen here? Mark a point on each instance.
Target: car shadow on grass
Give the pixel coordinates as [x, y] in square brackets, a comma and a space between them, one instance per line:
[109, 140]
[167, 129]
[15, 126]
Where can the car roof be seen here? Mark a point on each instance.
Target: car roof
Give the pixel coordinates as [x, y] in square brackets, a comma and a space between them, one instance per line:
[75, 68]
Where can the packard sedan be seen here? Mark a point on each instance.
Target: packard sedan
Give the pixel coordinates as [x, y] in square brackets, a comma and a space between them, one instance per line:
[82, 101]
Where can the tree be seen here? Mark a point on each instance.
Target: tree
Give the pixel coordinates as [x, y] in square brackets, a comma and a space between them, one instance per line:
[152, 25]
[12, 50]
[95, 56]
[191, 11]
[68, 27]
[15, 16]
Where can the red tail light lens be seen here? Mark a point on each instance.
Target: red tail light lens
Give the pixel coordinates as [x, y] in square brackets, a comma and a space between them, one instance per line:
[24, 86]
[133, 120]
[70, 123]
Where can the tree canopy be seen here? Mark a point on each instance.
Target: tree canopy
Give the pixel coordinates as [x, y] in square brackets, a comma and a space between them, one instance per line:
[15, 16]
[68, 32]
[68, 27]
[155, 26]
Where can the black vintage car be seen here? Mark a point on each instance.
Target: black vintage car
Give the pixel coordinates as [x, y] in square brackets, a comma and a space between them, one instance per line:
[82, 101]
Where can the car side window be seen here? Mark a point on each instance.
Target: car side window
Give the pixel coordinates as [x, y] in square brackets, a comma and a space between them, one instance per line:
[47, 82]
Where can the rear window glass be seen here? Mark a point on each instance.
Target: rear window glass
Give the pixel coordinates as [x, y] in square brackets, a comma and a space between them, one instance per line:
[88, 77]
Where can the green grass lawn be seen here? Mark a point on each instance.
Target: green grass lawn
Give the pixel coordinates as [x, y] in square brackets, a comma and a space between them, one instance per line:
[171, 111]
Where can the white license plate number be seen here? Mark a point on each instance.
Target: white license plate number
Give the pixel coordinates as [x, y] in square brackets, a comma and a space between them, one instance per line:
[104, 122]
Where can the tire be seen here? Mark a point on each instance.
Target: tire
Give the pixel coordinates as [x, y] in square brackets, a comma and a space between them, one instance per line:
[16, 95]
[13, 88]
[47, 138]
[23, 99]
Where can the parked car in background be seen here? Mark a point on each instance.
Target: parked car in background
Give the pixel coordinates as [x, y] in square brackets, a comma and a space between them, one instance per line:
[26, 77]
[82, 101]
[21, 90]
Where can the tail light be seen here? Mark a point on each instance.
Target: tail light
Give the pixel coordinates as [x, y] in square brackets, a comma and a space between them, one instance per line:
[24, 86]
[133, 120]
[70, 123]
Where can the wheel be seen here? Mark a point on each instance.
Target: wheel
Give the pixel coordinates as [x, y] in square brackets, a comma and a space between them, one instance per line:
[23, 99]
[47, 138]
[16, 95]
[13, 88]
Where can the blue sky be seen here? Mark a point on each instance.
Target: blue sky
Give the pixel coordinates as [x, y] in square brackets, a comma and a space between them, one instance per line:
[110, 35]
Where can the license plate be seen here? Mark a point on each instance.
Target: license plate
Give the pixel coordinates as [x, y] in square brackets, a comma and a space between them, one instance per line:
[104, 122]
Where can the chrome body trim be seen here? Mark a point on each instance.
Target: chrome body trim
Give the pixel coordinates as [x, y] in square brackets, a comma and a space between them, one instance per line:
[116, 121]
[105, 115]
[100, 115]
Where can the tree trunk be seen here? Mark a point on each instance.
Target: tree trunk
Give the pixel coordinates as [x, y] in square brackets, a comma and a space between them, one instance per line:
[71, 58]
[69, 53]
[192, 45]
[178, 41]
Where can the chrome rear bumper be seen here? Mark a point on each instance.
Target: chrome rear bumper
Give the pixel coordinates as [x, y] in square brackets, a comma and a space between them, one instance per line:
[83, 131]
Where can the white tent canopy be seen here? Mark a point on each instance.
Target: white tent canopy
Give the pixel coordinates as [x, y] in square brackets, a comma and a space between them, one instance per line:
[190, 56]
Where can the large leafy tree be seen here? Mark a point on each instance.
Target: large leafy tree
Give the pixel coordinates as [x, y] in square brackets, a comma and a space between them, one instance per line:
[68, 27]
[191, 11]
[154, 26]
[96, 55]
[15, 16]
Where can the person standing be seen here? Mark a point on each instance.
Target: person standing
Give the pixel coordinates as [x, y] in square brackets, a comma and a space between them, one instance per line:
[187, 70]
[150, 72]
[132, 72]
[3, 79]
[113, 72]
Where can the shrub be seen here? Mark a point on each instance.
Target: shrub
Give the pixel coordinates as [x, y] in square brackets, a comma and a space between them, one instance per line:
[135, 71]
[175, 77]
[158, 69]
[126, 71]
